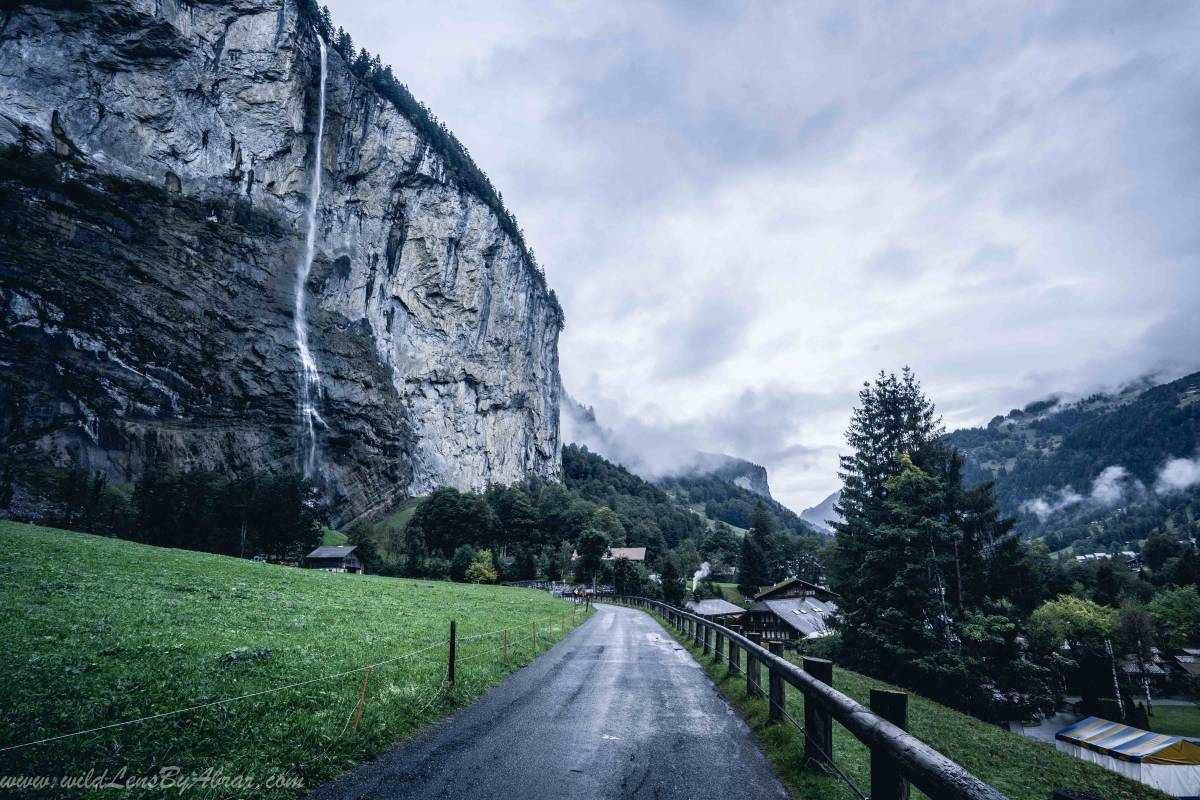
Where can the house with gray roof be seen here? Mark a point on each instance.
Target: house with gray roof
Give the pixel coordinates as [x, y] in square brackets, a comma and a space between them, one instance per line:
[334, 558]
[715, 608]
[791, 610]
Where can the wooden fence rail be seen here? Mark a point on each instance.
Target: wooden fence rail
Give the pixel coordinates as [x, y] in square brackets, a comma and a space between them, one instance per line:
[897, 757]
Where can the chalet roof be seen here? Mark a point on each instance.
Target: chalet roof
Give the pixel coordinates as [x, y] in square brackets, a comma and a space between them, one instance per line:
[1189, 662]
[613, 553]
[808, 616]
[333, 551]
[1129, 665]
[713, 607]
[792, 583]
[632, 553]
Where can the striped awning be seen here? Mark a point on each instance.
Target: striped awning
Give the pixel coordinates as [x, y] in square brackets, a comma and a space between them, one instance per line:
[1130, 744]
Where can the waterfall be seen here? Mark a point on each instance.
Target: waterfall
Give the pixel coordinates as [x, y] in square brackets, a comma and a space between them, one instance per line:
[309, 399]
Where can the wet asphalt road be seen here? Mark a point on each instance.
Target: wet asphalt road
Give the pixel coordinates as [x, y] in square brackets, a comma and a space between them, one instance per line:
[615, 710]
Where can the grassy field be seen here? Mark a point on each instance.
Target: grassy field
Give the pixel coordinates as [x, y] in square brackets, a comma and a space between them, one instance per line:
[1176, 720]
[730, 592]
[1021, 768]
[329, 536]
[103, 631]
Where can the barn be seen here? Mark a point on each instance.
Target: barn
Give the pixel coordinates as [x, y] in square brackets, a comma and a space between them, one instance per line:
[334, 558]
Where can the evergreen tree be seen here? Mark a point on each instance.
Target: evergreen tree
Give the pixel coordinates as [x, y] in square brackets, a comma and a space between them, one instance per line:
[673, 589]
[753, 571]
[893, 417]
[464, 556]
[720, 547]
[898, 611]
[592, 546]
[627, 578]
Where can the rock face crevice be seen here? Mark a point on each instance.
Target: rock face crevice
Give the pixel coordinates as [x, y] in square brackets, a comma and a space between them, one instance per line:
[155, 177]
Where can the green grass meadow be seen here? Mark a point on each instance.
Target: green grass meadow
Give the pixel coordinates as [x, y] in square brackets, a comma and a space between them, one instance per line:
[102, 631]
[1176, 720]
[1021, 768]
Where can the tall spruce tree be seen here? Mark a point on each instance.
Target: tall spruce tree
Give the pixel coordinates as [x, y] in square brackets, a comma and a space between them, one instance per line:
[773, 548]
[920, 600]
[893, 418]
[753, 571]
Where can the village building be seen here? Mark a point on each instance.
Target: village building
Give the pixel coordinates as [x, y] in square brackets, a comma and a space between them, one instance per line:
[791, 610]
[1154, 670]
[334, 558]
[716, 609]
[1189, 661]
[613, 553]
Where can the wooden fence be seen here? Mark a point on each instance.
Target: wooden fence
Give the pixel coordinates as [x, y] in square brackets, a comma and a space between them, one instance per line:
[897, 757]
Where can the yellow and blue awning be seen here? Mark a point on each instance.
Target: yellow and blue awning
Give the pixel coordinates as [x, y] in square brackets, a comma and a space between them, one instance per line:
[1127, 743]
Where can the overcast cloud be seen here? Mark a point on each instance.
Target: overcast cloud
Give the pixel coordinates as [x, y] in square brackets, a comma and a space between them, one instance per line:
[749, 208]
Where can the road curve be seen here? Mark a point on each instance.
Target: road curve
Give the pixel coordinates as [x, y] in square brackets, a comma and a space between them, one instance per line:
[615, 710]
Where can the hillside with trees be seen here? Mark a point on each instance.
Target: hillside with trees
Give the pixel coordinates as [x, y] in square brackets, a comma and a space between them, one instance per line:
[725, 501]
[940, 594]
[1091, 473]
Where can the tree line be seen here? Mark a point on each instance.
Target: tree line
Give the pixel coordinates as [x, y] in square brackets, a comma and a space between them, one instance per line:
[279, 516]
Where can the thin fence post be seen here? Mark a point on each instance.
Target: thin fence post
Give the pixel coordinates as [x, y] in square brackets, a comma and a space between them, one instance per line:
[362, 700]
[775, 683]
[534, 637]
[818, 725]
[735, 657]
[718, 646]
[453, 649]
[886, 781]
[698, 632]
[753, 682]
[506, 645]
[707, 640]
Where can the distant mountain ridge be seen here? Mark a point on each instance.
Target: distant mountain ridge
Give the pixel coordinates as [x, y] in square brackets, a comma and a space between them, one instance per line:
[726, 487]
[581, 427]
[1107, 468]
[823, 513]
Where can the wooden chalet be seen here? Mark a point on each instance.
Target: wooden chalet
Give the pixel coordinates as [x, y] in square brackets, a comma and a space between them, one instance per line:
[334, 558]
[791, 610]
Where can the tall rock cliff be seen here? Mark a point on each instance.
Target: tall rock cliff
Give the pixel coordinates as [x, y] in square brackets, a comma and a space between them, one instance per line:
[159, 160]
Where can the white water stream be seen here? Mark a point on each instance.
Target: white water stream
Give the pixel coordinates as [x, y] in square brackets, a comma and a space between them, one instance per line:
[309, 399]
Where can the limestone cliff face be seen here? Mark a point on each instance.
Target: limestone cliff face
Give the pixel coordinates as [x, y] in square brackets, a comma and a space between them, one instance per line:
[156, 171]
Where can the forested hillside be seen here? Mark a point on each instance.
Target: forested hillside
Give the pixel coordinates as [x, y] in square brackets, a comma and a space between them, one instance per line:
[729, 503]
[1094, 471]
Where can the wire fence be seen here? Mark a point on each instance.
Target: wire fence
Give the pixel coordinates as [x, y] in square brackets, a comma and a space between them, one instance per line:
[507, 649]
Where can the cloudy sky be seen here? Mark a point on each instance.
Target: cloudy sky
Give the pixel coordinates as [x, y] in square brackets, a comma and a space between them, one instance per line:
[749, 208]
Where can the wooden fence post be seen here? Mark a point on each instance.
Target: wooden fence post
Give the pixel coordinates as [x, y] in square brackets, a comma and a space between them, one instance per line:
[775, 684]
[718, 647]
[753, 678]
[697, 632]
[818, 724]
[362, 700]
[453, 649]
[735, 657]
[707, 640]
[886, 781]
